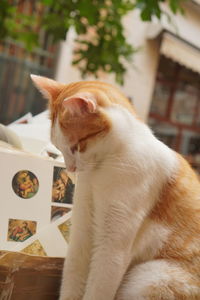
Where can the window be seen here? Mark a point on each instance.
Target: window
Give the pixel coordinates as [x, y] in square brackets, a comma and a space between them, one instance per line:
[175, 110]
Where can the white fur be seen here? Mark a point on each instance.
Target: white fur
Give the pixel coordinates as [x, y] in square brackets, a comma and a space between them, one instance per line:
[144, 278]
[118, 182]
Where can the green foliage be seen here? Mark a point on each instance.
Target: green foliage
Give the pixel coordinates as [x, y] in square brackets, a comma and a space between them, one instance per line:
[6, 13]
[152, 8]
[101, 44]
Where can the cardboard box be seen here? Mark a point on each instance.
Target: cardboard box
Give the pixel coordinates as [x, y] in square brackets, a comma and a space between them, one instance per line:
[25, 277]
[36, 202]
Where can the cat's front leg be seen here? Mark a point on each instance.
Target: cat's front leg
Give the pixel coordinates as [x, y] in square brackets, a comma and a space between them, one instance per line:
[114, 237]
[76, 265]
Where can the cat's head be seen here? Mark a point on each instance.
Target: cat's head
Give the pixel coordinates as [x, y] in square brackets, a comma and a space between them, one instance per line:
[80, 118]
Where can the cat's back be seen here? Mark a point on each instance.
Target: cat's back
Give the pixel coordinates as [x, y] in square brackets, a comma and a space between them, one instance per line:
[178, 209]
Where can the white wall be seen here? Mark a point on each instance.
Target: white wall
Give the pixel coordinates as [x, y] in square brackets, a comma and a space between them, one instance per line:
[187, 25]
[140, 78]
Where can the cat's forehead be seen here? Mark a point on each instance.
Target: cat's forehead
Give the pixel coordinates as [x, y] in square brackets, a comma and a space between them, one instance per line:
[97, 91]
[105, 95]
[102, 93]
[98, 95]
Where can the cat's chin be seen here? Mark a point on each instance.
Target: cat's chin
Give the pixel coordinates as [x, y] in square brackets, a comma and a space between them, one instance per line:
[75, 169]
[72, 169]
[80, 167]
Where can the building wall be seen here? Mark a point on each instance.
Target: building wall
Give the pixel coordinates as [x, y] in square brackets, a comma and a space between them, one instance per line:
[186, 26]
[140, 77]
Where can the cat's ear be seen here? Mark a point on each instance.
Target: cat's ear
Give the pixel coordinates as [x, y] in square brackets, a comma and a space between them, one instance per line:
[80, 104]
[49, 88]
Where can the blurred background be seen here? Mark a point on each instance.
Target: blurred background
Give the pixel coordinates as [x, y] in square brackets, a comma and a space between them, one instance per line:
[149, 49]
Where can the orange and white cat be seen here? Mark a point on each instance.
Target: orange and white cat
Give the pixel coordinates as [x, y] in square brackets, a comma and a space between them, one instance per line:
[136, 216]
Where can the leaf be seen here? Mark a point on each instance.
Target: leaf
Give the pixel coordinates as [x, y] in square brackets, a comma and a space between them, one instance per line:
[101, 42]
[146, 14]
[47, 2]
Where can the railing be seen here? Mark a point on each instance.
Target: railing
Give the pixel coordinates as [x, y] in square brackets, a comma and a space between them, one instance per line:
[17, 93]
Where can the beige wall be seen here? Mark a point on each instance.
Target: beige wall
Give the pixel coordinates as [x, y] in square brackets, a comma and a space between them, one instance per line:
[186, 26]
[140, 78]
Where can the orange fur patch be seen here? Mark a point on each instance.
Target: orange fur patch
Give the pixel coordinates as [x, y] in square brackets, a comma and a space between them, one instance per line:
[83, 129]
[105, 95]
[174, 290]
[179, 209]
